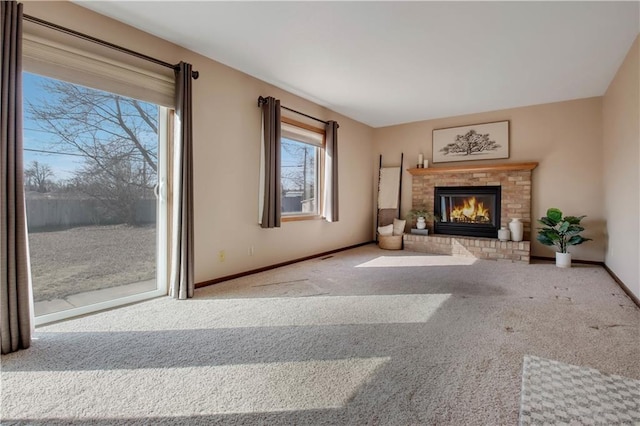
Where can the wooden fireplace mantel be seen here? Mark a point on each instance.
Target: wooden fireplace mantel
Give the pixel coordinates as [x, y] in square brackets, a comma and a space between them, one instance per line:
[505, 167]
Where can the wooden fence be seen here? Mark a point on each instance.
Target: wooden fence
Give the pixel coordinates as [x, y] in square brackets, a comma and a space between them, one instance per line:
[44, 213]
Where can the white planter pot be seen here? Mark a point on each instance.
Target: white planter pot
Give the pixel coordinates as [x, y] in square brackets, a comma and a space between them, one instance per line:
[421, 223]
[563, 260]
[504, 234]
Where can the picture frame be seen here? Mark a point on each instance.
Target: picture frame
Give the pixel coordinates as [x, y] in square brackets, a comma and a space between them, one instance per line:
[485, 141]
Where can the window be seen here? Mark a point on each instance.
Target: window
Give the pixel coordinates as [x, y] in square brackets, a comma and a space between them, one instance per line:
[96, 135]
[301, 156]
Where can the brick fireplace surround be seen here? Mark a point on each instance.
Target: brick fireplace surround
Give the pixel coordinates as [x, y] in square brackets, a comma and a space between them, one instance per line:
[515, 182]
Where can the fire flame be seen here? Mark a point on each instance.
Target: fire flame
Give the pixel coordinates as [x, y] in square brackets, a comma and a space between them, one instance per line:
[471, 211]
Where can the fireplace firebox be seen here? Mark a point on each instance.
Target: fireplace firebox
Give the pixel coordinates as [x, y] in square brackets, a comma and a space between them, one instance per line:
[467, 210]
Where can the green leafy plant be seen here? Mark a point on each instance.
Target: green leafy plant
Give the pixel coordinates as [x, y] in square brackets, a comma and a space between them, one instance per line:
[559, 231]
[416, 213]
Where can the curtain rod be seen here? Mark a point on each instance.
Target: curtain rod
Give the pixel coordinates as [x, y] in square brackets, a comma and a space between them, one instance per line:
[42, 22]
[262, 99]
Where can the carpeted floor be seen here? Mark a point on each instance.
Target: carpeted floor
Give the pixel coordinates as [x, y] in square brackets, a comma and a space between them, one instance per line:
[365, 336]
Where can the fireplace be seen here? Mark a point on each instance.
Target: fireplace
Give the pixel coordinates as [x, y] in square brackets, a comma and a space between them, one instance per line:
[467, 210]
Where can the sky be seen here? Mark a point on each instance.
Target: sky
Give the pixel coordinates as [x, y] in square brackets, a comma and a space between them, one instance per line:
[63, 158]
[62, 165]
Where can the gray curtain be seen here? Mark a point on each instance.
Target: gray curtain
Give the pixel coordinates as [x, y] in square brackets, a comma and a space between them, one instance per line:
[15, 291]
[182, 281]
[270, 165]
[331, 172]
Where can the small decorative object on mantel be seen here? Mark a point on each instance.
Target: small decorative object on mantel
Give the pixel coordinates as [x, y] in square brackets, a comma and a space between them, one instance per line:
[517, 229]
[477, 142]
[420, 161]
[504, 234]
[561, 232]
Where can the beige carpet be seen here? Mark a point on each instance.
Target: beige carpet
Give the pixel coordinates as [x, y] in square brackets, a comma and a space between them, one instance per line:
[365, 336]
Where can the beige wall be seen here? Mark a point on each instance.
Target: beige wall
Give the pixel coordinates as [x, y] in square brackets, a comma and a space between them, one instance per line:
[564, 137]
[621, 162]
[226, 158]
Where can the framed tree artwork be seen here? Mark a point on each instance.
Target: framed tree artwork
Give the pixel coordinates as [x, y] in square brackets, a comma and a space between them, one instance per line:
[477, 142]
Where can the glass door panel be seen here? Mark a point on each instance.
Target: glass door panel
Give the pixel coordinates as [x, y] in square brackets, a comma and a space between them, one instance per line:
[93, 163]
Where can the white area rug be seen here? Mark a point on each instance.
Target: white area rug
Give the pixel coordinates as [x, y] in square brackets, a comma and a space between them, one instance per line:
[555, 393]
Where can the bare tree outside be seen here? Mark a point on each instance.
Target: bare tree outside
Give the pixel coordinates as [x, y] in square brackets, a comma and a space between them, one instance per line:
[116, 136]
[470, 143]
[38, 177]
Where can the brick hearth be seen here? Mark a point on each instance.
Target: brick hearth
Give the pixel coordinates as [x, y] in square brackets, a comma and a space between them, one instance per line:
[515, 182]
[479, 248]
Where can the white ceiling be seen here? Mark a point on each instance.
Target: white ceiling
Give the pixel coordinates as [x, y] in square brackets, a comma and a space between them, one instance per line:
[385, 63]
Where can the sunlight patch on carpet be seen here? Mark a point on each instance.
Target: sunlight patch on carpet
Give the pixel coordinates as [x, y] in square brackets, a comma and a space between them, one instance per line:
[159, 392]
[413, 261]
[272, 312]
[324, 310]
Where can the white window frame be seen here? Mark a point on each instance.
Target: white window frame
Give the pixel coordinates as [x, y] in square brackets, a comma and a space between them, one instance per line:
[314, 136]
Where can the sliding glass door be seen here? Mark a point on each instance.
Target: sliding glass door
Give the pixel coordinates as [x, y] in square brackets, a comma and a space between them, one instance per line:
[95, 173]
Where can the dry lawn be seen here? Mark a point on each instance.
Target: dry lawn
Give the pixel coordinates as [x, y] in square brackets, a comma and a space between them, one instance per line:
[87, 258]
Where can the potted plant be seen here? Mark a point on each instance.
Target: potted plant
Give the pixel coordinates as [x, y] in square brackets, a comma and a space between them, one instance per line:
[421, 215]
[561, 232]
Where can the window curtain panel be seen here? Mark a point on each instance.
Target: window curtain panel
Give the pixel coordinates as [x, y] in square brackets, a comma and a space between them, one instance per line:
[15, 292]
[182, 282]
[331, 173]
[269, 211]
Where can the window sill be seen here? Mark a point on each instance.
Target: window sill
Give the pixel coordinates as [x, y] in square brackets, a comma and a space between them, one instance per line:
[299, 218]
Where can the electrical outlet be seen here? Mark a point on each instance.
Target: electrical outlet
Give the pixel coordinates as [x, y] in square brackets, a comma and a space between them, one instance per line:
[250, 251]
[221, 255]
